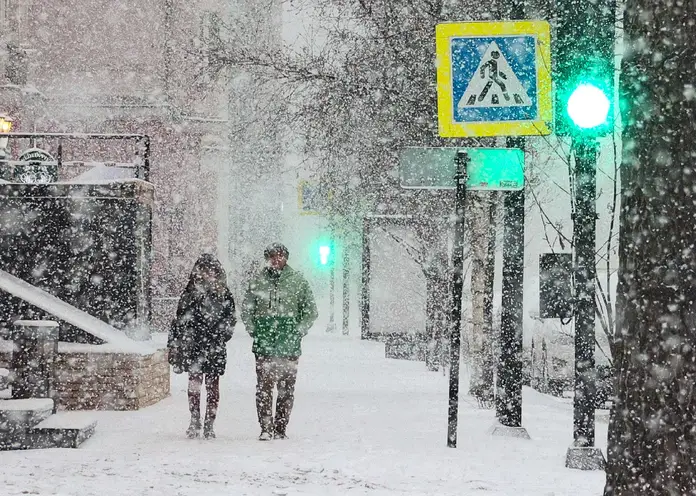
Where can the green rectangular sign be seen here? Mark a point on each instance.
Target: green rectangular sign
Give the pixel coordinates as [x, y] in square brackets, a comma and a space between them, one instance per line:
[500, 169]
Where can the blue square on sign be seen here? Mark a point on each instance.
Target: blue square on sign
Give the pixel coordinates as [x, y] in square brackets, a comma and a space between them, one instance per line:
[309, 198]
[494, 79]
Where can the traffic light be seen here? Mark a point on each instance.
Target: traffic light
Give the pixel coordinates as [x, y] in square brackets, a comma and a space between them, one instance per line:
[323, 253]
[584, 68]
[588, 106]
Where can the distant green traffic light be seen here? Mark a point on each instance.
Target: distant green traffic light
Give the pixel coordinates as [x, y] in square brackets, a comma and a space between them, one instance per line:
[588, 106]
[324, 254]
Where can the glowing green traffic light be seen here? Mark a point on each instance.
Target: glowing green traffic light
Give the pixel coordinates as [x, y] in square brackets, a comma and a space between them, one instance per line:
[588, 106]
[324, 253]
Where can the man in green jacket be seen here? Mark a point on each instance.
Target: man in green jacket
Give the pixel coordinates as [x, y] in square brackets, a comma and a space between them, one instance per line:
[278, 311]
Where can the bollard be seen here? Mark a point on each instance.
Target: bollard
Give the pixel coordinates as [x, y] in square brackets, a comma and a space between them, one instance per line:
[33, 360]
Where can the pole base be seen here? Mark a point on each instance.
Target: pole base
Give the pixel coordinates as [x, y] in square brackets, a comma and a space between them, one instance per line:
[331, 327]
[499, 429]
[585, 458]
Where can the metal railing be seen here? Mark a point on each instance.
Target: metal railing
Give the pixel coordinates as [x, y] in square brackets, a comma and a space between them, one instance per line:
[142, 167]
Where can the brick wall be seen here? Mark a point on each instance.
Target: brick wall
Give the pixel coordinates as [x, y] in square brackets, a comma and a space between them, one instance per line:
[108, 381]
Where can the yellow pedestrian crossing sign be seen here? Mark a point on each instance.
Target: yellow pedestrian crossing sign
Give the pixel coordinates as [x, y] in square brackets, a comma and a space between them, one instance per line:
[312, 198]
[494, 79]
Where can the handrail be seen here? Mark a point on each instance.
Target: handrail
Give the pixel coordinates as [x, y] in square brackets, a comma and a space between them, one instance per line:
[141, 173]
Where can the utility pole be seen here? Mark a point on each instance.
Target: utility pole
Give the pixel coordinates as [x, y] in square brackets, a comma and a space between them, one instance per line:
[460, 175]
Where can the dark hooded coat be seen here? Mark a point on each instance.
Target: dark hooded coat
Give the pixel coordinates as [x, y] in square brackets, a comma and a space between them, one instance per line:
[204, 323]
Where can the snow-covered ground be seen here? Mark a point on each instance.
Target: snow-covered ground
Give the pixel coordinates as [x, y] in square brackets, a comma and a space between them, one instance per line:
[362, 424]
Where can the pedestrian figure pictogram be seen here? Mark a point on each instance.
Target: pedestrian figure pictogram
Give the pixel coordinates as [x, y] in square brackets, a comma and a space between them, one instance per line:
[494, 84]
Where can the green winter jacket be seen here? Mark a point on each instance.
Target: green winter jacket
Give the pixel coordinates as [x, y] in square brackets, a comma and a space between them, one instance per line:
[278, 312]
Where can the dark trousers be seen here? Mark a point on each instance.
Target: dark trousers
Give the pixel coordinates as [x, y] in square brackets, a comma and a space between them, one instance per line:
[272, 372]
[212, 386]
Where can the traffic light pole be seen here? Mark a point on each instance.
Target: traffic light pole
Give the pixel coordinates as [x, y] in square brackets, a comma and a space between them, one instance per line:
[346, 288]
[460, 175]
[583, 454]
[331, 326]
[509, 386]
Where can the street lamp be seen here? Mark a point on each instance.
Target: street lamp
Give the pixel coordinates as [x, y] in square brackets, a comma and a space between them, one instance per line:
[5, 127]
[5, 124]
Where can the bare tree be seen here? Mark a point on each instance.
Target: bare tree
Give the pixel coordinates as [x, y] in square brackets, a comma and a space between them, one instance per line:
[481, 331]
[357, 97]
[606, 254]
[652, 431]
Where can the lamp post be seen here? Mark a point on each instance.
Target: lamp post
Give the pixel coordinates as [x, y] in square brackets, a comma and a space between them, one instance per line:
[5, 127]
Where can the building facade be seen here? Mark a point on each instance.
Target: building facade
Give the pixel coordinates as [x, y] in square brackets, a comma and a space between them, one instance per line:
[131, 67]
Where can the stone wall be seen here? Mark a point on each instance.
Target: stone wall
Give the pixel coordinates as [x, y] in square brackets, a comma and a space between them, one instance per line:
[87, 244]
[108, 381]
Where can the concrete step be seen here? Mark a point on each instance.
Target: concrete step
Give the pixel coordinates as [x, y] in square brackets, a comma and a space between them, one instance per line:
[23, 414]
[62, 430]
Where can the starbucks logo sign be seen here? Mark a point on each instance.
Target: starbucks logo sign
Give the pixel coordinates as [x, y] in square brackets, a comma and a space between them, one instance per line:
[36, 170]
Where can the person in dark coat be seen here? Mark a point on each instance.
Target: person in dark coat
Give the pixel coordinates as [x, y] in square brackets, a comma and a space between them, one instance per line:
[204, 323]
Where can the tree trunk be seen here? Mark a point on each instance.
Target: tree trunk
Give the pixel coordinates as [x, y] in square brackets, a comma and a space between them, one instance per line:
[437, 287]
[480, 342]
[490, 358]
[436, 272]
[652, 432]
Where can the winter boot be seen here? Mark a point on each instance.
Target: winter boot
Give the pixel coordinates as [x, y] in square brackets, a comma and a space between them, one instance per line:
[279, 429]
[194, 429]
[208, 431]
[210, 416]
[266, 429]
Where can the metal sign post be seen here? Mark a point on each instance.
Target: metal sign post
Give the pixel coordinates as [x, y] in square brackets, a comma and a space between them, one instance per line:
[460, 176]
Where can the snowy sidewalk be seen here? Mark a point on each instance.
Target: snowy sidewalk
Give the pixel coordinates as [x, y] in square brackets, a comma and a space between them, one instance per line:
[362, 424]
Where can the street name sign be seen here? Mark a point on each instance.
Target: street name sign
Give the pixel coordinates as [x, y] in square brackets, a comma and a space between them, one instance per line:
[489, 169]
[494, 79]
